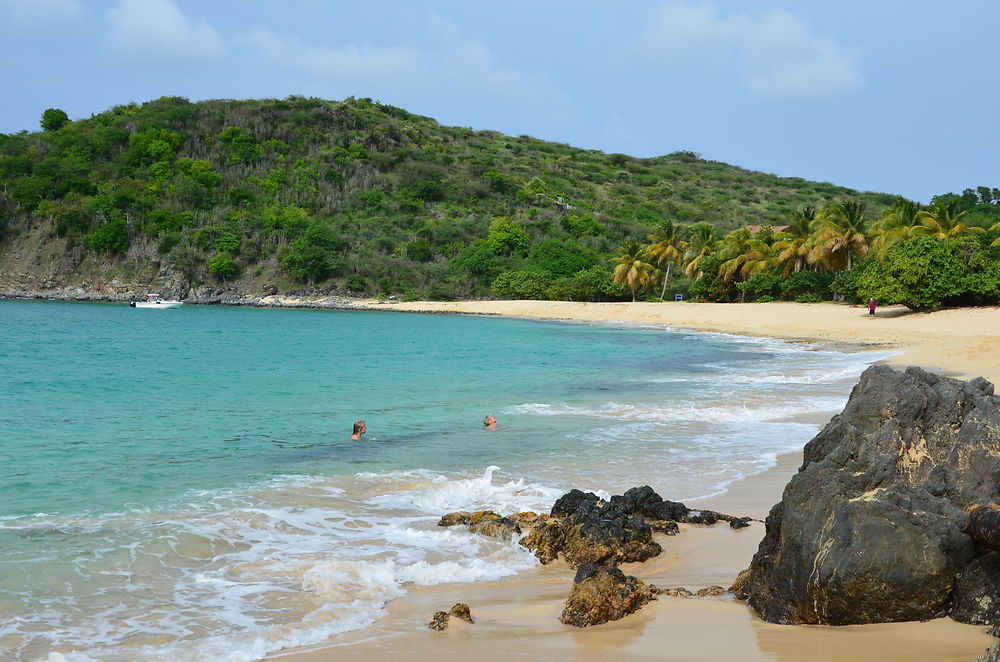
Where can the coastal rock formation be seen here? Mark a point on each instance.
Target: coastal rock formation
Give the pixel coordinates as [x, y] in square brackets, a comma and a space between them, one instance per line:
[984, 526]
[992, 654]
[461, 611]
[489, 523]
[439, 621]
[602, 594]
[871, 528]
[681, 592]
[583, 528]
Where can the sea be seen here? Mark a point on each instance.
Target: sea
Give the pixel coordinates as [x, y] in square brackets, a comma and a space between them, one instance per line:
[181, 484]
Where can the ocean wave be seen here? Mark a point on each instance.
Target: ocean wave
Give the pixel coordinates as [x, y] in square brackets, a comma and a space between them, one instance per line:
[442, 496]
[686, 411]
[241, 564]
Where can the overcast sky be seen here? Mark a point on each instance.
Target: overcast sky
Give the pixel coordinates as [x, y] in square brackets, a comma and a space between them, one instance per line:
[898, 96]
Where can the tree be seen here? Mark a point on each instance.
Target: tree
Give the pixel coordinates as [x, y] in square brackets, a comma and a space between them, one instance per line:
[560, 258]
[110, 237]
[793, 243]
[945, 222]
[744, 253]
[507, 238]
[899, 221]
[920, 273]
[842, 235]
[222, 265]
[632, 270]
[701, 242]
[54, 119]
[667, 249]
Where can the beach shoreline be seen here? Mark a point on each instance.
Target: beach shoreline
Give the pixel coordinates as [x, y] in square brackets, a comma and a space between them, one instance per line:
[518, 616]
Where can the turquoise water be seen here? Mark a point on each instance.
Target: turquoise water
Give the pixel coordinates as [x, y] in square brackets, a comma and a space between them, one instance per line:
[169, 478]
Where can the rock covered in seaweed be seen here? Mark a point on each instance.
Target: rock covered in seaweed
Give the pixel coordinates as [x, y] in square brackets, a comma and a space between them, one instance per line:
[461, 611]
[583, 528]
[603, 594]
[439, 621]
[870, 529]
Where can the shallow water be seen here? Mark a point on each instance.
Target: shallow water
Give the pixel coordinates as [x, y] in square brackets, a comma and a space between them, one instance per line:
[180, 484]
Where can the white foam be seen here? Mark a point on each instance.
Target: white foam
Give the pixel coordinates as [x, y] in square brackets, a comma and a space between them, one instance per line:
[239, 562]
[718, 413]
[441, 496]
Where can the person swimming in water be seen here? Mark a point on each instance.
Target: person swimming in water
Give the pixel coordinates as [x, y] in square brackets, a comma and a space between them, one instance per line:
[489, 422]
[360, 427]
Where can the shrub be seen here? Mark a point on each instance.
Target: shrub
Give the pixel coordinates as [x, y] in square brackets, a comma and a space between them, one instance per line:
[507, 238]
[593, 284]
[803, 283]
[419, 250]
[559, 258]
[521, 285]
[761, 285]
[112, 237]
[920, 273]
[222, 265]
[710, 286]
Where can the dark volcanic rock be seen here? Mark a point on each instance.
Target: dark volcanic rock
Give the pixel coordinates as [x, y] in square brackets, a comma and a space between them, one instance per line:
[584, 528]
[976, 592]
[870, 529]
[740, 522]
[984, 526]
[602, 594]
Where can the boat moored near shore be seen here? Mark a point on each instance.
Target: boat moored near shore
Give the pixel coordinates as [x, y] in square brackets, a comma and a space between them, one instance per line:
[155, 301]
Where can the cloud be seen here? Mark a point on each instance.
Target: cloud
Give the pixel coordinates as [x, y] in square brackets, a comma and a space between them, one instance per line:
[439, 62]
[773, 54]
[18, 16]
[349, 62]
[157, 30]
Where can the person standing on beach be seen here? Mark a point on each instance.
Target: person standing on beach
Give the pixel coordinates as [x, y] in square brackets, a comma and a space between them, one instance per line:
[871, 307]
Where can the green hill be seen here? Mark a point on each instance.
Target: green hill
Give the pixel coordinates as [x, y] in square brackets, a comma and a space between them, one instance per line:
[348, 196]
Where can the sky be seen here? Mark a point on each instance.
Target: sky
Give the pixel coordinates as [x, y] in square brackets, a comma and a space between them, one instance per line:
[894, 96]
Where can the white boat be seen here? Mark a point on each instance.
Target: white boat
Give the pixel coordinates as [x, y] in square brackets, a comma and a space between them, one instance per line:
[155, 301]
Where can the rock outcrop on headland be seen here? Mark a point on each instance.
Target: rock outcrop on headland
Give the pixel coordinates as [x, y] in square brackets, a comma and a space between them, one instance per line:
[871, 528]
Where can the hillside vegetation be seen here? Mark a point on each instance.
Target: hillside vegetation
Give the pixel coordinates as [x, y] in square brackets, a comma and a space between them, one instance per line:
[356, 197]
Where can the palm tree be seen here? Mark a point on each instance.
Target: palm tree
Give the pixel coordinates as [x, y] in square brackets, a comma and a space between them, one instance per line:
[793, 243]
[667, 248]
[842, 234]
[745, 253]
[632, 270]
[941, 221]
[702, 240]
[899, 221]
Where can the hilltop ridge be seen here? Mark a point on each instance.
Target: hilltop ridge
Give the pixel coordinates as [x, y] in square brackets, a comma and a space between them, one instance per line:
[346, 197]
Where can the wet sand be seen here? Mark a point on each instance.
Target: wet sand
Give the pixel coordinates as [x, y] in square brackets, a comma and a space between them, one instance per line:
[518, 617]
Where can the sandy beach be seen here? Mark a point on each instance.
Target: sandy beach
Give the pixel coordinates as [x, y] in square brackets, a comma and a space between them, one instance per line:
[518, 617]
